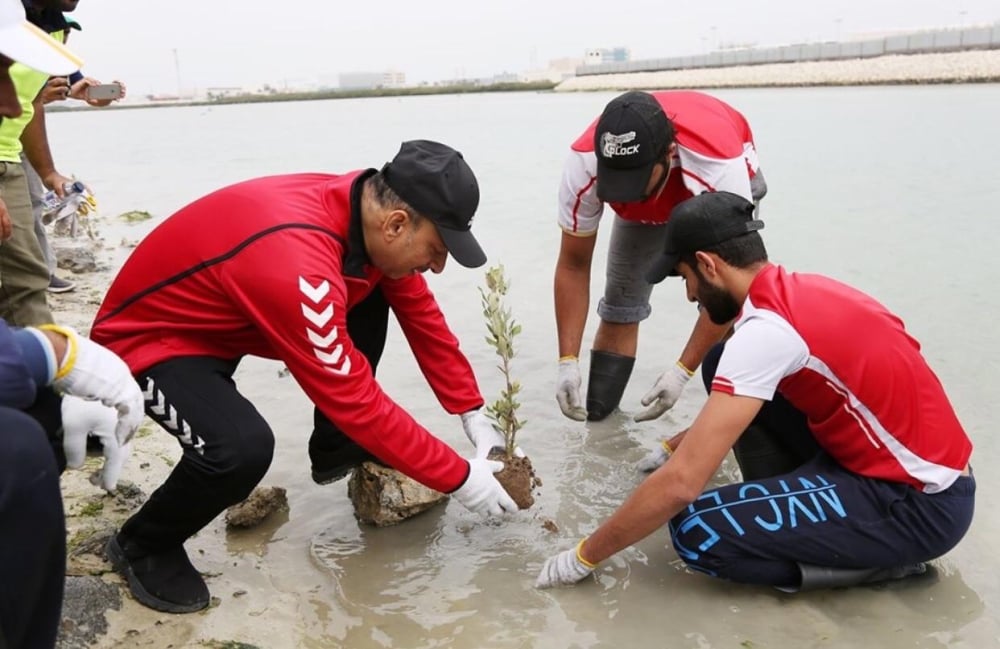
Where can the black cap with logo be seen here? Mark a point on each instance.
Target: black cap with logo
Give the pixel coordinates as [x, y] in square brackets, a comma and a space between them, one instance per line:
[702, 222]
[631, 136]
[435, 180]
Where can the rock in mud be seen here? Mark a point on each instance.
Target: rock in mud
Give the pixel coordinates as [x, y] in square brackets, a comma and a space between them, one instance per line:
[262, 502]
[76, 258]
[384, 496]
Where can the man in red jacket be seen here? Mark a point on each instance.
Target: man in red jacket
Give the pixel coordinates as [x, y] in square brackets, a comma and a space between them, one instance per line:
[302, 268]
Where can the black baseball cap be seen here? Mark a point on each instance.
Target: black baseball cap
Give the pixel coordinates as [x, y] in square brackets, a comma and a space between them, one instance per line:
[435, 180]
[702, 222]
[631, 136]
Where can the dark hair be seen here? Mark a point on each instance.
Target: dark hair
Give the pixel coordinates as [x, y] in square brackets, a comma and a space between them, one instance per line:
[671, 134]
[386, 198]
[739, 252]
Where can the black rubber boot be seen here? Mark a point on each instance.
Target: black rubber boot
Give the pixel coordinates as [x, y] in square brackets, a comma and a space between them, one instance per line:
[609, 374]
[334, 455]
[820, 577]
[165, 582]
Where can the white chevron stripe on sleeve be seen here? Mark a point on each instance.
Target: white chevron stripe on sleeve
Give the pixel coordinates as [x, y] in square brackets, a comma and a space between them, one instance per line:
[325, 346]
[318, 318]
[329, 358]
[314, 293]
[319, 341]
[343, 369]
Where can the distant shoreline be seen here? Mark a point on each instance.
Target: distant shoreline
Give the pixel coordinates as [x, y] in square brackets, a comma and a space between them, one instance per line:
[974, 66]
[455, 89]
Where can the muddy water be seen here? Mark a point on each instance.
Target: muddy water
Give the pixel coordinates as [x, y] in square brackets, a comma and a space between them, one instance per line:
[890, 189]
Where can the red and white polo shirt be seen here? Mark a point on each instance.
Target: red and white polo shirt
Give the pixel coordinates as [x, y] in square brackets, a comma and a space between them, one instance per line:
[715, 151]
[845, 361]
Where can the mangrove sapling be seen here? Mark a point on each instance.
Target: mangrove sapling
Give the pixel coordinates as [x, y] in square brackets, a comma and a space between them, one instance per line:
[517, 477]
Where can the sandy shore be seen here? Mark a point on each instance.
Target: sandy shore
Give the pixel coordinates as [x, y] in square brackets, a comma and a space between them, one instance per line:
[954, 67]
[98, 611]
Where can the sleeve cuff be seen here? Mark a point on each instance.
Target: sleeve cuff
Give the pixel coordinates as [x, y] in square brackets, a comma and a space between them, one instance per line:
[38, 354]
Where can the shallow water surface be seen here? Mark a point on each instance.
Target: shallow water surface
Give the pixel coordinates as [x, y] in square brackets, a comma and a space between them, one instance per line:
[890, 189]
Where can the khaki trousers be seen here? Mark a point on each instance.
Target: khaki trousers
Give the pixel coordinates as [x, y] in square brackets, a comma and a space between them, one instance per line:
[24, 275]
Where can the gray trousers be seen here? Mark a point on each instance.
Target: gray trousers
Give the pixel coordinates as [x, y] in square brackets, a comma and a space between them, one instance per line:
[35, 191]
[633, 246]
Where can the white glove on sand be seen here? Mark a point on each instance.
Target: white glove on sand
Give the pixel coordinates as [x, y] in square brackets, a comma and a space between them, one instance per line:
[92, 372]
[83, 418]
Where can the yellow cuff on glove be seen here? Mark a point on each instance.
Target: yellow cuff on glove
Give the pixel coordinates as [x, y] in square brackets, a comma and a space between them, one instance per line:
[69, 360]
[579, 556]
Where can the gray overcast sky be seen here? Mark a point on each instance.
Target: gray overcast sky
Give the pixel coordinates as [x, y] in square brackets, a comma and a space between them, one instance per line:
[248, 43]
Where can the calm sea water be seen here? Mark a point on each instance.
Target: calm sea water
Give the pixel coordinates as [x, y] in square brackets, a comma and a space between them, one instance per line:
[890, 189]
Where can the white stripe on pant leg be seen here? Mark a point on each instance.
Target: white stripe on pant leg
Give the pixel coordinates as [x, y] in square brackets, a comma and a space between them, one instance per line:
[167, 416]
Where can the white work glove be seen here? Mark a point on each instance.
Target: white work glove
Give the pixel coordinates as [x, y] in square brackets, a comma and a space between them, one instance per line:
[565, 568]
[655, 458]
[481, 493]
[81, 419]
[665, 392]
[484, 435]
[90, 371]
[568, 389]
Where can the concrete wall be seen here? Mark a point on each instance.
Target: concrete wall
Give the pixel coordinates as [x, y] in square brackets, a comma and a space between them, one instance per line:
[944, 40]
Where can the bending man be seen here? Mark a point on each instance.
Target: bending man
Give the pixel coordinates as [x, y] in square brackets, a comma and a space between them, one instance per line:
[857, 467]
[644, 155]
[304, 269]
